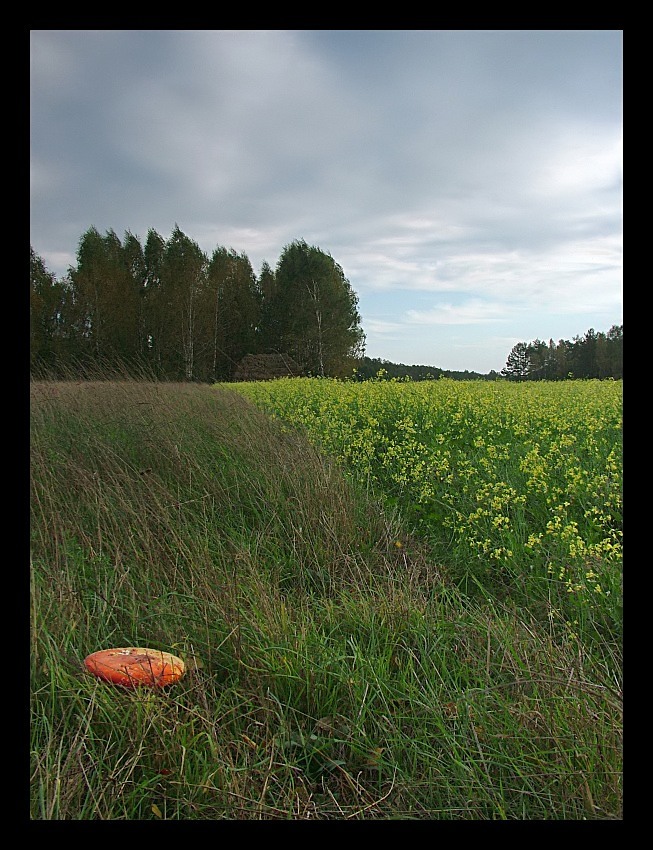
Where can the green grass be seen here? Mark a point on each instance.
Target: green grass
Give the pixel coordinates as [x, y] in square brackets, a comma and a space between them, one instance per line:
[331, 674]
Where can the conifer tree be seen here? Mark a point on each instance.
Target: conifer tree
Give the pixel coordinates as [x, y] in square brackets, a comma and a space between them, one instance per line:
[518, 363]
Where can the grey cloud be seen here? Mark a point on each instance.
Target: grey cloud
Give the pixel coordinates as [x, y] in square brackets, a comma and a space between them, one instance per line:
[457, 163]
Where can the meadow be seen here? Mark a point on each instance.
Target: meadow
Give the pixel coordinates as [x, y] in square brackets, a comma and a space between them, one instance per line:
[395, 600]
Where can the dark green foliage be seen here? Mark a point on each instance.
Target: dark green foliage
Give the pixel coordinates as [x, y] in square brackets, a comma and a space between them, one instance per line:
[374, 368]
[105, 300]
[48, 302]
[233, 301]
[596, 355]
[312, 312]
[167, 310]
[517, 364]
[183, 276]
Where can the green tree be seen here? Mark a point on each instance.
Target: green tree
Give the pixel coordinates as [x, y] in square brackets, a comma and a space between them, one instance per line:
[537, 360]
[86, 314]
[182, 278]
[312, 314]
[134, 260]
[153, 307]
[615, 338]
[583, 355]
[518, 363]
[562, 360]
[233, 300]
[268, 330]
[266, 281]
[47, 303]
[122, 297]
[602, 356]
[105, 301]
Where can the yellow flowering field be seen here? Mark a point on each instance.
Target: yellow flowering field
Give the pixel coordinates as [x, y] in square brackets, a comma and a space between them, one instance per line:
[514, 482]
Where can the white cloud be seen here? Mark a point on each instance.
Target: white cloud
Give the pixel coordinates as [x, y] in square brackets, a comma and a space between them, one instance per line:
[472, 312]
[579, 161]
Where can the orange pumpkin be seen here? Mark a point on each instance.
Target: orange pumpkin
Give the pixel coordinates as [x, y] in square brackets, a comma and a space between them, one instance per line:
[134, 665]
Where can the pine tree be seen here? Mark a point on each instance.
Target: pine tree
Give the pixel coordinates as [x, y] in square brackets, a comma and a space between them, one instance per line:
[518, 363]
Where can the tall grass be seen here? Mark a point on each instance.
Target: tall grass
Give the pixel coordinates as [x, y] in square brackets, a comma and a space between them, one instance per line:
[331, 674]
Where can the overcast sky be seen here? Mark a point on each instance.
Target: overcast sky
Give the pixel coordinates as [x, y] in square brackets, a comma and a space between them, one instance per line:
[468, 182]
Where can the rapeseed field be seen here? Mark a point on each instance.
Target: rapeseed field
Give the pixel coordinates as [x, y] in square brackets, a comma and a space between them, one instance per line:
[518, 486]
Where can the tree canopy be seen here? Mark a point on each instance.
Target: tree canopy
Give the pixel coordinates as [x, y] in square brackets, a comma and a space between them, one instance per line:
[165, 308]
[595, 355]
[311, 312]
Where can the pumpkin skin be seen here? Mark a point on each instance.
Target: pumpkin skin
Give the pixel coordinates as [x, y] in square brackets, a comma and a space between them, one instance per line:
[131, 666]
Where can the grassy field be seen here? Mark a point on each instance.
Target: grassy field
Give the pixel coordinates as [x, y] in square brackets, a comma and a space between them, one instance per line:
[361, 642]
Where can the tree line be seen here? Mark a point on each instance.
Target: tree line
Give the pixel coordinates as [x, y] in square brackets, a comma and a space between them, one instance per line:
[167, 308]
[375, 368]
[594, 355]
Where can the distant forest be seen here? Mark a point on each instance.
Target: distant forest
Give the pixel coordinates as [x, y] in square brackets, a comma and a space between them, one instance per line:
[594, 355]
[166, 309]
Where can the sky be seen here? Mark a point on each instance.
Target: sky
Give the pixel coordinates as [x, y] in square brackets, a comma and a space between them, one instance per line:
[468, 182]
